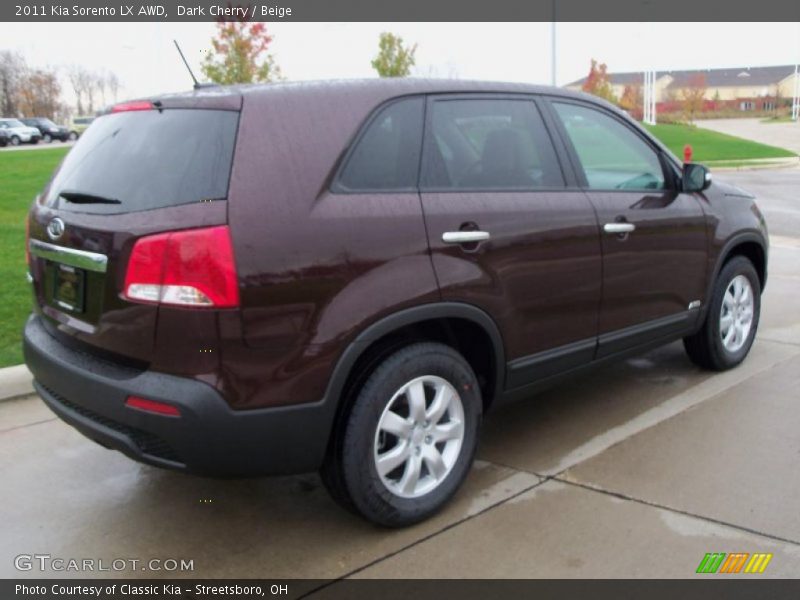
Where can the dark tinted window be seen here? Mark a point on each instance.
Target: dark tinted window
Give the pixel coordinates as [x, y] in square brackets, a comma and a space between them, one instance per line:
[149, 159]
[386, 156]
[612, 156]
[489, 144]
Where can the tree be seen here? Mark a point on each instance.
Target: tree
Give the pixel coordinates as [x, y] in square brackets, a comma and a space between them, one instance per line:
[240, 54]
[632, 98]
[112, 82]
[81, 81]
[598, 83]
[694, 94]
[39, 93]
[12, 70]
[394, 59]
[100, 84]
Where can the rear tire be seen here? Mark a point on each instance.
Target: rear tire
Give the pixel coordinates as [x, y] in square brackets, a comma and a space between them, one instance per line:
[732, 318]
[72, 136]
[419, 409]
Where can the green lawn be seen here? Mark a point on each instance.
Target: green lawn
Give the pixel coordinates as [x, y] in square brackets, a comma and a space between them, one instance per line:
[22, 176]
[711, 146]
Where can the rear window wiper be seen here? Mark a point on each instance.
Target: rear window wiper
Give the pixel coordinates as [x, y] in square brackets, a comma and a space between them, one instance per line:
[81, 198]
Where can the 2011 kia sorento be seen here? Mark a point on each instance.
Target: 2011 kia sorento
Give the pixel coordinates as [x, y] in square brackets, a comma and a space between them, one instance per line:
[345, 276]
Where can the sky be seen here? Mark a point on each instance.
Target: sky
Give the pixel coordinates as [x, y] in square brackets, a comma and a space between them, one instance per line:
[144, 59]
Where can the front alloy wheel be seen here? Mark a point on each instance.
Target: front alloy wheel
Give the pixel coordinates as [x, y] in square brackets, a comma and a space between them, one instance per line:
[731, 322]
[736, 314]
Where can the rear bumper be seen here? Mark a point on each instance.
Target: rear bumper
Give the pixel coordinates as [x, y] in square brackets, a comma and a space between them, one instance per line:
[207, 438]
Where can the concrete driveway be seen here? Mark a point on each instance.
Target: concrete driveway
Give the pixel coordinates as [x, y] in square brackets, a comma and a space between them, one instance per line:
[783, 135]
[638, 470]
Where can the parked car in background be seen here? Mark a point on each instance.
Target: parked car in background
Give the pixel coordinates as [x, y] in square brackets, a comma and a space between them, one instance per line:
[346, 276]
[4, 138]
[77, 126]
[49, 130]
[19, 133]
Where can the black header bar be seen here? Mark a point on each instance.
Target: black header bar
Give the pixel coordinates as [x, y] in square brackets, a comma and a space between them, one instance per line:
[404, 10]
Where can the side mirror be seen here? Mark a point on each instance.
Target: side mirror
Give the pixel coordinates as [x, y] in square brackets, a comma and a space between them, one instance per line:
[696, 177]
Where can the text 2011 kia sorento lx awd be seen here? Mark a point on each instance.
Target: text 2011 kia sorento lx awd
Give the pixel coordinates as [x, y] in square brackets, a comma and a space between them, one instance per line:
[346, 276]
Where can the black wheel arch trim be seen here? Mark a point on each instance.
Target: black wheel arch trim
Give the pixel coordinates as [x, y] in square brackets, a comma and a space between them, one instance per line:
[724, 254]
[410, 316]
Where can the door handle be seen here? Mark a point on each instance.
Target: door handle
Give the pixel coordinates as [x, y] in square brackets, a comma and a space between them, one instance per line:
[465, 237]
[619, 227]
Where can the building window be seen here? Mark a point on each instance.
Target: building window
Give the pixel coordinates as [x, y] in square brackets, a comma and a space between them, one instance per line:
[745, 105]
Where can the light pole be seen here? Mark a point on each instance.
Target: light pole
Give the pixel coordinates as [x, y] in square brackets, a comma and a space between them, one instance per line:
[796, 96]
[649, 98]
[553, 47]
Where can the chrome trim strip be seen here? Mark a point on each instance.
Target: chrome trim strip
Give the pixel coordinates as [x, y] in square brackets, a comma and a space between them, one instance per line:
[82, 259]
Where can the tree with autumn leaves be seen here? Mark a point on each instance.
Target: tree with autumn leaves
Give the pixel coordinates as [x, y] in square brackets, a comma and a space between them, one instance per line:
[598, 82]
[694, 95]
[241, 54]
[632, 99]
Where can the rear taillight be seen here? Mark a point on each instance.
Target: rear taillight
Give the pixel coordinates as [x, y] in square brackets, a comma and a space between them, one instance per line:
[184, 268]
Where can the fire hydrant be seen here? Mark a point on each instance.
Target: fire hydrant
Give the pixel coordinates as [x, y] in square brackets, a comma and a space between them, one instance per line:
[687, 153]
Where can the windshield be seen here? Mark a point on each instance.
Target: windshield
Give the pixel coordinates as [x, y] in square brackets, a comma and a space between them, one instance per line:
[13, 123]
[148, 159]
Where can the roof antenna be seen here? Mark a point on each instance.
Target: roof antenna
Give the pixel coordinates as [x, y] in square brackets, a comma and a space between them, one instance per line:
[197, 84]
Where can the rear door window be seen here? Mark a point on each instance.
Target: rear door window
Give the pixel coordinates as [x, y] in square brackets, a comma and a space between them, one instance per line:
[489, 144]
[386, 156]
[142, 160]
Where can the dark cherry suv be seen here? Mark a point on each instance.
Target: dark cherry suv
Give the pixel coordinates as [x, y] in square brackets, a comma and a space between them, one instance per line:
[345, 276]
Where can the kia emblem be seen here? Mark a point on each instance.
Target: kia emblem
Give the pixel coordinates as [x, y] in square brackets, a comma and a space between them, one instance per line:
[55, 229]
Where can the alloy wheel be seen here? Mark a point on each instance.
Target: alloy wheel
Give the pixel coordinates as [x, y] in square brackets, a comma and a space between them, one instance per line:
[419, 437]
[736, 314]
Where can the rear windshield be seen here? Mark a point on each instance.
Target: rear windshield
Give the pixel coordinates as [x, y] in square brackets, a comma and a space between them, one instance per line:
[141, 160]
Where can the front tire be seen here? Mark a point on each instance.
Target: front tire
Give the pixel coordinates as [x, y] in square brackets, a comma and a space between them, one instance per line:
[47, 138]
[732, 319]
[15, 141]
[410, 437]
[72, 136]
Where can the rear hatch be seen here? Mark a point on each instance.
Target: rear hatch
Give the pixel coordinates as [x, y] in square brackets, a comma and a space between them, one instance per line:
[142, 169]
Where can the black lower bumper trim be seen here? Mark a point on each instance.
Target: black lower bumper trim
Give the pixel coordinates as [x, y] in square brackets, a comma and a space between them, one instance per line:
[208, 437]
[148, 443]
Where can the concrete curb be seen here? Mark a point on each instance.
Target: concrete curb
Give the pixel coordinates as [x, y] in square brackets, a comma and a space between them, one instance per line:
[15, 381]
[755, 164]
